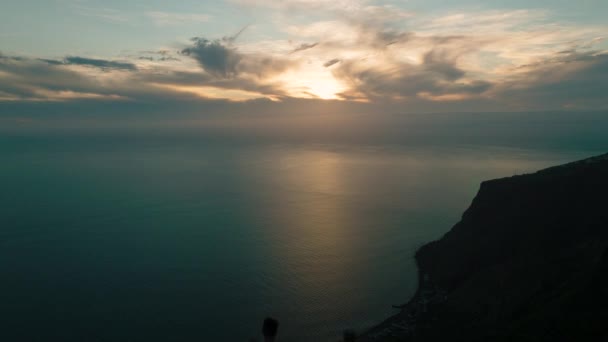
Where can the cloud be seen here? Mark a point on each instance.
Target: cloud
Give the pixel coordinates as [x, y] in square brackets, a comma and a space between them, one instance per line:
[102, 64]
[222, 59]
[356, 51]
[331, 62]
[99, 63]
[396, 84]
[191, 80]
[435, 77]
[574, 79]
[304, 46]
[389, 37]
[158, 56]
[214, 56]
[30, 79]
[436, 62]
[458, 57]
[27, 79]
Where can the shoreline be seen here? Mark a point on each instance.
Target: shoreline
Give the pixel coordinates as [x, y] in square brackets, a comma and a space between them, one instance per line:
[484, 264]
[402, 324]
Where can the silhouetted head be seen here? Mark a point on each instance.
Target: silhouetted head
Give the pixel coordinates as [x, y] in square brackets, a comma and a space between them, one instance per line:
[349, 336]
[270, 328]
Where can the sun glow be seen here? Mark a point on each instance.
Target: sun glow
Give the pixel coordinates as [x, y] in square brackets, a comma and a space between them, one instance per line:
[323, 89]
[319, 84]
[217, 93]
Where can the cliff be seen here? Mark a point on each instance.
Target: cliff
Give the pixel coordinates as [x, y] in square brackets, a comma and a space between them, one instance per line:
[527, 262]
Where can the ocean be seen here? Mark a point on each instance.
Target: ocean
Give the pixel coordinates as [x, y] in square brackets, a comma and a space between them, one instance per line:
[146, 237]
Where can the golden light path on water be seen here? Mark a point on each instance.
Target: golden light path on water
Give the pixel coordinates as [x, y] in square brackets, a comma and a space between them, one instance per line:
[321, 254]
[311, 225]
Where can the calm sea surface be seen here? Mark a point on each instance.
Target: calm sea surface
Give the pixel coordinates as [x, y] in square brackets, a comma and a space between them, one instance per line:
[110, 240]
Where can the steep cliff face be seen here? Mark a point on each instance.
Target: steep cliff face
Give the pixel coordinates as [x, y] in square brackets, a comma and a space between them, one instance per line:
[527, 262]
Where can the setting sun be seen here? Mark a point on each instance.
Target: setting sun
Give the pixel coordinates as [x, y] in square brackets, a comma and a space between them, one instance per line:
[312, 83]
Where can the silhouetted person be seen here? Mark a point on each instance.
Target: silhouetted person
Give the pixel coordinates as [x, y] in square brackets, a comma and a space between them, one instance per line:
[270, 328]
[349, 335]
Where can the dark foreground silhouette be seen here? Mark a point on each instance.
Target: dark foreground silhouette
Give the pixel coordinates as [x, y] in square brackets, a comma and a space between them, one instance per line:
[270, 329]
[527, 262]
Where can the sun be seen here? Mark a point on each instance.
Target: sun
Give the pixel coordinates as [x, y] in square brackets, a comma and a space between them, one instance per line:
[311, 83]
[326, 89]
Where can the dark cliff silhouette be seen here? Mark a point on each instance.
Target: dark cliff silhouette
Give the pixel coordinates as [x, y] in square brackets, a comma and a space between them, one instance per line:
[527, 262]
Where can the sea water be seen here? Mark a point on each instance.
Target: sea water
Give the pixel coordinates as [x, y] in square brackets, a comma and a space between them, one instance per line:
[154, 239]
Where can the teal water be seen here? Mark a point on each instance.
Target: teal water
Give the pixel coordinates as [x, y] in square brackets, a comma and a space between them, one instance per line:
[105, 239]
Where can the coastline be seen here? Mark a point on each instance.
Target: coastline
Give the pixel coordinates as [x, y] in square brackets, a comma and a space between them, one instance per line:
[528, 260]
[402, 324]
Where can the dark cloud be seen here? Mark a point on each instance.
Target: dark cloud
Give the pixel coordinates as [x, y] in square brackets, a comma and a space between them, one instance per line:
[24, 78]
[331, 62]
[384, 38]
[304, 46]
[158, 56]
[437, 76]
[439, 63]
[52, 61]
[97, 63]
[38, 80]
[218, 57]
[11, 58]
[221, 59]
[100, 63]
[233, 38]
[214, 56]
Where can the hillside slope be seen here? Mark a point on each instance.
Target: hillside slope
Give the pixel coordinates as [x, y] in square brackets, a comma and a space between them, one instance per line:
[527, 262]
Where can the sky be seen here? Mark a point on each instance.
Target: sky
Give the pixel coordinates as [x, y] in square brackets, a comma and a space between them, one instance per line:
[398, 56]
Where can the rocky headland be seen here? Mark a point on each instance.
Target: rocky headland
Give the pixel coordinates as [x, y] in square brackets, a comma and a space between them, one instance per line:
[527, 262]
